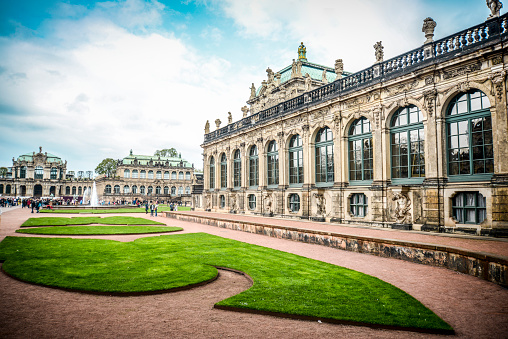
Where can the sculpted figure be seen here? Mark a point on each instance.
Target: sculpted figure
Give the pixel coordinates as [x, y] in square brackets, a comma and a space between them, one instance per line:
[217, 123]
[268, 203]
[299, 68]
[302, 51]
[269, 73]
[245, 110]
[428, 29]
[379, 51]
[252, 91]
[494, 6]
[293, 69]
[230, 118]
[339, 68]
[308, 82]
[207, 127]
[402, 208]
[321, 204]
[323, 77]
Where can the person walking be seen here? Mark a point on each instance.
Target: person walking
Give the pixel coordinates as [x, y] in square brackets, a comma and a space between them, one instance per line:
[146, 207]
[155, 207]
[151, 209]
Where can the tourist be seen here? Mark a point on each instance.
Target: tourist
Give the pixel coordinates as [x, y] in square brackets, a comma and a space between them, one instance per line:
[155, 207]
[146, 207]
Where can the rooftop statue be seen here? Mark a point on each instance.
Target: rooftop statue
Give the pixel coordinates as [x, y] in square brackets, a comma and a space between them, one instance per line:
[494, 6]
[339, 68]
[252, 91]
[428, 29]
[207, 127]
[302, 52]
[379, 51]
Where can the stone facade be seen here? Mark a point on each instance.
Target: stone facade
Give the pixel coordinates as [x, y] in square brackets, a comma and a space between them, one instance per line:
[418, 141]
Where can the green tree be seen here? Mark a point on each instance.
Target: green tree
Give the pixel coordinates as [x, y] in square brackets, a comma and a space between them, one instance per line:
[107, 167]
[3, 172]
[167, 152]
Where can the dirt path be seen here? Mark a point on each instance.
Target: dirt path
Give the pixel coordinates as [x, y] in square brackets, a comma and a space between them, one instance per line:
[475, 308]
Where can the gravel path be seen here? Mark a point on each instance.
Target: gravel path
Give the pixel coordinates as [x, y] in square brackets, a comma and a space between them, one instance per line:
[475, 308]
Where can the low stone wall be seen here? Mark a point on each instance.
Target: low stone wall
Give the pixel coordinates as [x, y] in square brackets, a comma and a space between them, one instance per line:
[482, 265]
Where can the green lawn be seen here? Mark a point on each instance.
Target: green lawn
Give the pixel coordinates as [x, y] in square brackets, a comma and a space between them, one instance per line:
[98, 230]
[112, 210]
[283, 282]
[62, 221]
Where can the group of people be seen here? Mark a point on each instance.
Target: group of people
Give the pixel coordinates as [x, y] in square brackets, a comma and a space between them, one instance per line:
[153, 206]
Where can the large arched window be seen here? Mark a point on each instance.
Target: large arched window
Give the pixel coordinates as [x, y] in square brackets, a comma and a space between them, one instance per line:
[253, 167]
[39, 172]
[295, 160]
[469, 135]
[54, 173]
[212, 174]
[126, 173]
[80, 190]
[180, 175]
[22, 172]
[237, 169]
[142, 190]
[117, 189]
[360, 151]
[74, 190]
[158, 190]
[166, 175]
[126, 189]
[180, 190]
[223, 171]
[173, 190]
[142, 174]
[173, 175]
[272, 164]
[407, 144]
[166, 190]
[187, 190]
[134, 189]
[107, 190]
[187, 176]
[134, 174]
[68, 190]
[150, 190]
[158, 175]
[324, 156]
[150, 174]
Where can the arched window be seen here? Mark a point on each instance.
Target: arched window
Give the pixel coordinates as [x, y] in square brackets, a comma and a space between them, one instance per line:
[80, 190]
[469, 135]
[187, 190]
[142, 190]
[173, 190]
[237, 169]
[358, 205]
[166, 190]
[39, 172]
[150, 190]
[252, 202]
[142, 174]
[324, 156]
[150, 174]
[126, 189]
[253, 167]
[68, 190]
[134, 174]
[180, 190]
[223, 171]
[1, 189]
[180, 175]
[295, 160]
[187, 176]
[272, 163]
[212, 173]
[469, 208]
[107, 190]
[407, 143]
[22, 172]
[134, 189]
[158, 175]
[166, 175]
[117, 189]
[222, 201]
[294, 202]
[126, 173]
[158, 190]
[173, 175]
[360, 151]
[54, 173]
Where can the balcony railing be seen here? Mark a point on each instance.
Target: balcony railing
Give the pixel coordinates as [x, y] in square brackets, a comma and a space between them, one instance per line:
[463, 42]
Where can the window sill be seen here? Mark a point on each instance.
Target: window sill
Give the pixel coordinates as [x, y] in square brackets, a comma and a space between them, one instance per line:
[360, 182]
[408, 181]
[469, 178]
[324, 184]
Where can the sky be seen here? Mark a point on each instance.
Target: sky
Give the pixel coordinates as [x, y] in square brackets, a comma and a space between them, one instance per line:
[89, 80]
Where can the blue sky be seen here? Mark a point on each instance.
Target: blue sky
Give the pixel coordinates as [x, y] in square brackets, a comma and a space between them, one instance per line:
[90, 80]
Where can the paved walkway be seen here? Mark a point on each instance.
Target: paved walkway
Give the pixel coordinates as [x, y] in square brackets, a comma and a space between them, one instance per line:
[475, 308]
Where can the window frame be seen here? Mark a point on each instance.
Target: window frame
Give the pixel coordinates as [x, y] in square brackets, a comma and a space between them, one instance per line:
[358, 208]
[360, 137]
[464, 208]
[253, 167]
[324, 163]
[272, 164]
[211, 173]
[295, 155]
[294, 203]
[237, 169]
[223, 171]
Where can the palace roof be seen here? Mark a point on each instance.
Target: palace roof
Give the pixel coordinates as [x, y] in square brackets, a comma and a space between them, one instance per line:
[145, 160]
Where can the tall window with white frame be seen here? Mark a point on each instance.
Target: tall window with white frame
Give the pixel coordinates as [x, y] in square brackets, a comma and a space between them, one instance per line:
[324, 157]
[295, 161]
[469, 137]
[223, 171]
[211, 174]
[407, 144]
[237, 169]
[272, 163]
[253, 167]
[360, 151]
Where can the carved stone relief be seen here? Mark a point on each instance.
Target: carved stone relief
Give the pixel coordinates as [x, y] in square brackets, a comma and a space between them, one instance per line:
[402, 212]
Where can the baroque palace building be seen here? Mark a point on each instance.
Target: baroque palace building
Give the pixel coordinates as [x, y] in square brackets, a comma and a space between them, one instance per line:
[139, 177]
[418, 141]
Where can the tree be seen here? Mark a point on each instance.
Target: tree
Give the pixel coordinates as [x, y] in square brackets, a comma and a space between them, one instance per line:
[107, 167]
[167, 152]
[3, 172]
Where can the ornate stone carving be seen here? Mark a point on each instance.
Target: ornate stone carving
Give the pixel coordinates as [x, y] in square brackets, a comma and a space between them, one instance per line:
[494, 6]
[379, 51]
[428, 29]
[217, 123]
[277, 79]
[233, 204]
[299, 69]
[323, 77]
[293, 122]
[377, 113]
[462, 70]
[497, 60]
[245, 110]
[402, 88]
[230, 118]
[463, 86]
[308, 82]
[293, 69]
[268, 202]
[430, 100]
[339, 68]
[269, 74]
[252, 91]
[402, 212]
[320, 204]
[497, 79]
[429, 80]
[207, 127]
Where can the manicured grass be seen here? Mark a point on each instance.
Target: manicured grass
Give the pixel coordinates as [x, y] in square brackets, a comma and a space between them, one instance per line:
[283, 282]
[96, 230]
[112, 210]
[62, 221]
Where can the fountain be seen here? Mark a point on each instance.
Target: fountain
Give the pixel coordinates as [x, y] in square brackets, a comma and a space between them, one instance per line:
[94, 200]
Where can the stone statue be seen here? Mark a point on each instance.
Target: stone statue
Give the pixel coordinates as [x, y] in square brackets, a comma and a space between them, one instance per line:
[269, 73]
[207, 127]
[252, 91]
[302, 52]
[217, 123]
[245, 110]
[339, 68]
[320, 204]
[379, 51]
[323, 77]
[233, 203]
[277, 79]
[494, 6]
[293, 69]
[299, 68]
[402, 212]
[230, 118]
[428, 29]
[308, 82]
[268, 203]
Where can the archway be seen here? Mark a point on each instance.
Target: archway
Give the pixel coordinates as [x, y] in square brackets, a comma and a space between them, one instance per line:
[38, 191]
[52, 191]
[22, 189]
